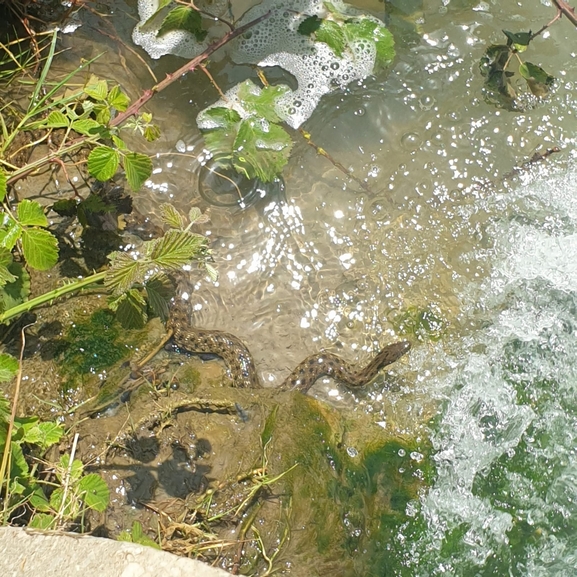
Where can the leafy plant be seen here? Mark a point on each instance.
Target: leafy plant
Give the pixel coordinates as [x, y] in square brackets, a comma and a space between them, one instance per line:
[500, 76]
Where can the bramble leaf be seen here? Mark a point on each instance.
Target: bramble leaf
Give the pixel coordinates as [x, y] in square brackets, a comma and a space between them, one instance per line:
[8, 367]
[87, 127]
[138, 168]
[261, 149]
[30, 213]
[130, 309]
[118, 99]
[95, 492]
[103, 163]
[261, 101]
[10, 235]
[40, 248]
[184, 18]
[171, 216]
[332, 35]
[56, 119]
[98, 90]
[177, 248]
[159, 291]
[538, 80]
[367, 30]
[309, 25]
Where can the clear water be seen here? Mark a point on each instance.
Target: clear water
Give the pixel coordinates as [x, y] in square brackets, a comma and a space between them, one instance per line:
[444, 228]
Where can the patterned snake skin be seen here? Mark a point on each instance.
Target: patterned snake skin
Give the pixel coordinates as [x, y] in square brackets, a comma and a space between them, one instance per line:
[241, 366]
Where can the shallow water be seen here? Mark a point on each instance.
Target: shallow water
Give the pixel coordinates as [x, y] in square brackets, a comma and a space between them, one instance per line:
[444, 228]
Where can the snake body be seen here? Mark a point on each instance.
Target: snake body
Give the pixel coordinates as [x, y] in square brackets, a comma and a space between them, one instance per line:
[239, 360]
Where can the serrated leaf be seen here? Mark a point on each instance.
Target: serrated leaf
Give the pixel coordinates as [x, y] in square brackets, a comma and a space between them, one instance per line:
[38, 501]
[8, 367]
[177, 248]
[94, 492]
[171, 216]
[151, 132]
[367, 30]
[332, 35]
[131, 310]
[124, 271]
[102, 112]
[76, 469]
[10, 235]
[3, 184]
[261, 101]
[18, 291]
[261, 149]
[538, 80]
[118, 142]
[183, 18]
[88, 127]
[51, 433]
[148, 24]
[42, 521]
[194, 214]
[103, 163]
[218, 117]
[159, 292]
[40, 248]
[138, 168]
[309, 25]
[57, 119]
[118, 99]
[97, 90]
[65, 207]
[519, 39]
[6, 276]
[31, 213]
[212, 272]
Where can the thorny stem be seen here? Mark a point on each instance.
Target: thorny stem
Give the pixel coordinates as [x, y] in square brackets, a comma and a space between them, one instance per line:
[191, 65]
[50, 296]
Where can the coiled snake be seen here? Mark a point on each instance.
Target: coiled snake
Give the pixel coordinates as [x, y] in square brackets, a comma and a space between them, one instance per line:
[242, 369]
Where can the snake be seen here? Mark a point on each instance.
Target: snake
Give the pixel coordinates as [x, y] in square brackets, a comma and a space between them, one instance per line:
[242, 368]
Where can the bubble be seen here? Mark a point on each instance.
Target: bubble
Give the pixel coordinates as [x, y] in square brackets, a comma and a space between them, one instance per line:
[426, 102]
[411, 141]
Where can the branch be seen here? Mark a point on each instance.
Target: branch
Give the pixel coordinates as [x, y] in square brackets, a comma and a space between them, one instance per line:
[191, 65]
[567, 11]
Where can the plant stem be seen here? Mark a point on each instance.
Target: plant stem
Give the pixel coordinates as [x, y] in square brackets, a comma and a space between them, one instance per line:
[50, 296]
[135, 107]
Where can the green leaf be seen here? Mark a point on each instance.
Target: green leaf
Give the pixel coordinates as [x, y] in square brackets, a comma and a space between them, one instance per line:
[30, 213]
[130, 310]
[212, 272]
[95, 492]
[51, 433]
[309, 25]
[10, 235]
[65, 207]
[151, 132]
[118, 142]
[40, 248]
[124, 271]
[8, 367]
[6, 276]
[103, 163]
[171, 216]
[38, 501]
[195, 215]
[17, 291]
[138, 168]
[220, 117]
[148, 24]
[538, 80]
[184, 18]
[367, 30]
[75, 471]
[98, 90]
[57, 119]
[519, 39]
[88, 127]
[103, 114]
[261, 101]
[261, 150]
[3, 184]
[177, 248]
[159, 291]
[332, 34]
[43, 521]
[118, 99]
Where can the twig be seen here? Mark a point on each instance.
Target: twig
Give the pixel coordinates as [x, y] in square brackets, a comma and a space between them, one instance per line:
[191, 65]
[567, 11]
[7, 452]
[66, 480]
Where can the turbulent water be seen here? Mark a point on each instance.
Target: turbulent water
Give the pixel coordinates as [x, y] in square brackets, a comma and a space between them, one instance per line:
[444, 228]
